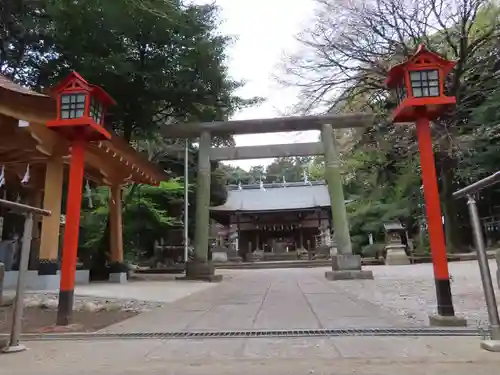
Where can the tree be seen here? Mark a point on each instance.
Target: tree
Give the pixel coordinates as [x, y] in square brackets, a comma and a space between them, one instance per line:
[257, 173]
[162, 61]
[290, 168]
[348, 52]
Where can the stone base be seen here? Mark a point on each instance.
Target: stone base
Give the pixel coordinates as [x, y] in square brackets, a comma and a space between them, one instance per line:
[201, 271]
[497, 258]
[119, 278]
[4, 342]
[14, 349]
[346, 262]
[491, 345]
[349, 275]
[396, 257]
[347, 267]
[219, 256]
[447, 321]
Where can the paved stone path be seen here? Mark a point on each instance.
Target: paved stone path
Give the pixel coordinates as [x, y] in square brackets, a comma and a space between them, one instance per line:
[267, 299]
[339, 356]
[279, 299]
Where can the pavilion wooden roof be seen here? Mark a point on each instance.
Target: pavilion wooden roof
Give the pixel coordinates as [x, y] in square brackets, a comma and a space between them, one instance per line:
[24, 139]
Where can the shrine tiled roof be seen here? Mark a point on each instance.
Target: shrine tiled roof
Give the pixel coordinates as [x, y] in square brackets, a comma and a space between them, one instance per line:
[276, 197]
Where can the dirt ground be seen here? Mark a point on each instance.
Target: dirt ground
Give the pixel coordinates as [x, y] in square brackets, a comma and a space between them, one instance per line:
[39, 320]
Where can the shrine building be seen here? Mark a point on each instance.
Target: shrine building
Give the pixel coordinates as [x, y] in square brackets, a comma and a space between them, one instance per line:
[276, 218]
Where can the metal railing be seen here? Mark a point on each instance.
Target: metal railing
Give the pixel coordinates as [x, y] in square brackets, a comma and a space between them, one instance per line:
[14, 344]
[484, 268]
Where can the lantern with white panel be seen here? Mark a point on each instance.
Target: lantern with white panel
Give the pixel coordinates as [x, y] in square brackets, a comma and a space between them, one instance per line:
[80, 109]
[418, 84]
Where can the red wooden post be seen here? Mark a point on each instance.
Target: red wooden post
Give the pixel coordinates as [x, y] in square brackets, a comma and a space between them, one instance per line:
[434, 218]
[71, 231]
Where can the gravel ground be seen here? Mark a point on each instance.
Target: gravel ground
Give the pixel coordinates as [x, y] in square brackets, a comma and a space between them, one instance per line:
[90, 313]
[84, 303]
[410, 291]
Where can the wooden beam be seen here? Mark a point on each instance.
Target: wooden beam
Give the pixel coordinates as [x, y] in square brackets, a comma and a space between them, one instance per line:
[49, 141]
[267, 151]
[110, 171]
[27, 108]
[274, 125]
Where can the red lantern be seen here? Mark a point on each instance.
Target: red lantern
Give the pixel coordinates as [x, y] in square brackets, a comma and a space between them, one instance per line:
[419, 83]
[419, 86]
[80, 119]
[80, 109]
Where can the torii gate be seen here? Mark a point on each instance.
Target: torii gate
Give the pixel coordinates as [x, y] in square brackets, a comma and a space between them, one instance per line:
[345, 265]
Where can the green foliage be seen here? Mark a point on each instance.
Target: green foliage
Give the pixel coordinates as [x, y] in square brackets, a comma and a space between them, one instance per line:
[145, 217]
[290, 168]
[163, 61]
[345, 58]
[373, 250]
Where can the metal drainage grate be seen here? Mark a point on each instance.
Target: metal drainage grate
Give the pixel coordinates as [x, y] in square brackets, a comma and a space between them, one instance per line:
[402, 332]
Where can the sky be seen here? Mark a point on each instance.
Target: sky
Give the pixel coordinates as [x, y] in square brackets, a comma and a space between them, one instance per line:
[264, 30]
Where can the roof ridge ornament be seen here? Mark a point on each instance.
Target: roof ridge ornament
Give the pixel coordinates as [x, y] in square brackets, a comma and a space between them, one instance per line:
[2, 176]
[26, 177]
[261, 185]
[305, 178]
[88, 193]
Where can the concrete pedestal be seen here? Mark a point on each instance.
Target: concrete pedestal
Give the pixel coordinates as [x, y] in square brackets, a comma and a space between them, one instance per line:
[497, 257]
[201, 271]
[349, 275]
[447, 321]
[396, 256]
[14, 349]
[219, 256]
[491, 345]
[347, 267]
[2, 276]
[118, 277]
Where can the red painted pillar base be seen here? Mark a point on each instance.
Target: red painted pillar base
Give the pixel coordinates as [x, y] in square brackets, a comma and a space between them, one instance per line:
[434, 219]
[71, 230]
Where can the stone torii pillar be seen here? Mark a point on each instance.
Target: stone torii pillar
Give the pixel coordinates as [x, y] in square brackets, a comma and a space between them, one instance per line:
[200, 268]
[345, 265]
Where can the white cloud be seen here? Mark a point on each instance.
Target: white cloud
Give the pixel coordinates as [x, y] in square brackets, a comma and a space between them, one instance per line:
[265, 30]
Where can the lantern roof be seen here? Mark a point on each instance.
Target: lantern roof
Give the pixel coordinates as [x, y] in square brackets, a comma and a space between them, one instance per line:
[421, 58]
[68, 83]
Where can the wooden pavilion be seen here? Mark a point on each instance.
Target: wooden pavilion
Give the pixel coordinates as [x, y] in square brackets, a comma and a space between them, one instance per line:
[28, 147]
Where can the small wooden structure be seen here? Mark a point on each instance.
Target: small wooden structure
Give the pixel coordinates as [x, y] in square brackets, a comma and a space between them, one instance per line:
[28, 145]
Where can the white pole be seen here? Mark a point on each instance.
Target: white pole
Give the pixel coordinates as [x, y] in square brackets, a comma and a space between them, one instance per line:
[186, 201]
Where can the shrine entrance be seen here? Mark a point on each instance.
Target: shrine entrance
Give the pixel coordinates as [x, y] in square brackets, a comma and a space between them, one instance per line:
[345, 265]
